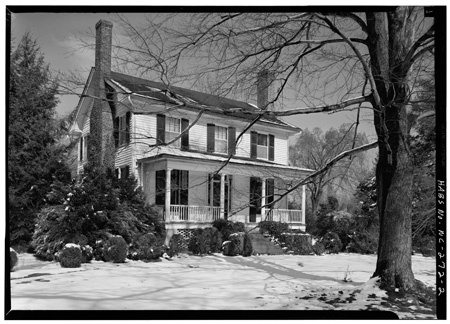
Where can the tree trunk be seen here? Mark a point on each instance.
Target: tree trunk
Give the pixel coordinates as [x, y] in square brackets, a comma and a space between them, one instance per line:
[395, 204]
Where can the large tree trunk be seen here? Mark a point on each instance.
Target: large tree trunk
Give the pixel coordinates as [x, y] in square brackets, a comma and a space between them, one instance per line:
[390, 38]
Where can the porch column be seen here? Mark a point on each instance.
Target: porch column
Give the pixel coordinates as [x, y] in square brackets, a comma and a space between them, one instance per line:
[303, 203]
[263, 199]
[167, 200]
[222, 195]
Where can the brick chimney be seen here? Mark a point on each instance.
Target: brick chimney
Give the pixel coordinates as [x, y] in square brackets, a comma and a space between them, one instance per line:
[101, 145]
[264, 87]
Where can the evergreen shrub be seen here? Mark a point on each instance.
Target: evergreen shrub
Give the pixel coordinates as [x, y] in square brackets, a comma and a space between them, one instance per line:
[248, 248]
[365, 242]
[13, 258]
[318, 248]
[205, 240]
[70, 256]
[300, 244]
[331, 242]
[227, 227]
[148, 247]
[176, 245]
[273, 228]
[115, 250]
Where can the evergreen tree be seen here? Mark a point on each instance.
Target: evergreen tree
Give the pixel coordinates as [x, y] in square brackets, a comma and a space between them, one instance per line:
[33, 157]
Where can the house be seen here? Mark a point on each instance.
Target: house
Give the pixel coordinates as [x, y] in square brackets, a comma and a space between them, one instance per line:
[190, 151]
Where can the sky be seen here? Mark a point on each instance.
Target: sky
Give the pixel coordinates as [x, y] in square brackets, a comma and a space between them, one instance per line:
[54, 33]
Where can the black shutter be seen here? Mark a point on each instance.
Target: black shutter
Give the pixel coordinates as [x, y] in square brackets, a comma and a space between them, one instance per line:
[231, 140]
[210, 138]
[116, 131]
[81, 149]
[184, 184]
[253, 143]
[184, 135]
[160, 129]
[116, 173]
[271, 148]
[128, 127]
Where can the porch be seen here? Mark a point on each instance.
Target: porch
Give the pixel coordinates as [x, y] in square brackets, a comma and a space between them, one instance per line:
[207, 214]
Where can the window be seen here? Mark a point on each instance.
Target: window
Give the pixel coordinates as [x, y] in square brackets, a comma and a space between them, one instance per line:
[262, 148]
[173, 129]
[122, 129]
[221, 139]
[214, 192]
[179, 187]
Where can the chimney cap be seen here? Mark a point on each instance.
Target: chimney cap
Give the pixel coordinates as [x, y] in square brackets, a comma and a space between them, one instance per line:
[102, 22]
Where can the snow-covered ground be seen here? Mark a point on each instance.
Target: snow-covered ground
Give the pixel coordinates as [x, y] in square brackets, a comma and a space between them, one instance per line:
[213, 282]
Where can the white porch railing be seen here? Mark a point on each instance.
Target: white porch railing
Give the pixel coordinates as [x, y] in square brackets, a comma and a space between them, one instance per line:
[184, 213]
[285, 216]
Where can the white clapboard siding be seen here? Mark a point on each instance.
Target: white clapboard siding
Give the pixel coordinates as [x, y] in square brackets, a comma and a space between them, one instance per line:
[197, 136]
[243, 145]
[144, 134]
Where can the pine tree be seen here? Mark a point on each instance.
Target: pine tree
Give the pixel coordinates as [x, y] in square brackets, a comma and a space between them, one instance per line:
[33, 159]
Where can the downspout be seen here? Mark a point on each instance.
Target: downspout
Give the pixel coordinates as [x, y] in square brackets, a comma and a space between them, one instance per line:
[134, 144]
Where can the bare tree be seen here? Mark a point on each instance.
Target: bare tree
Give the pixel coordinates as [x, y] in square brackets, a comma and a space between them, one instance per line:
[314, 149]
[327, 62]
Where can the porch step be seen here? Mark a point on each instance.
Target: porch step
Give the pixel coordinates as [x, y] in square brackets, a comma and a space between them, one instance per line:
[263, 245]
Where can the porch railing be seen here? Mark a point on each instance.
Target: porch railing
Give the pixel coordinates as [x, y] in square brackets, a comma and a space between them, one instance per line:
[285, 215]
[184, 213]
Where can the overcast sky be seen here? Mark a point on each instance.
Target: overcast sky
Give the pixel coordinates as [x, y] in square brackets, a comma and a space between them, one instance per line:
[54, 34]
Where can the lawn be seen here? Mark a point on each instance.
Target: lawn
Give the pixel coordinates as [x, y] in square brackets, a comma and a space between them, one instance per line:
[215, 282]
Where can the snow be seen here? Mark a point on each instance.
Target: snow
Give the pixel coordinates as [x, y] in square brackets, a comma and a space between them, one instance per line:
[213, 282]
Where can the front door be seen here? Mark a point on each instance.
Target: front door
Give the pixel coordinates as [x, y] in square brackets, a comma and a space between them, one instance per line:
[255, 198]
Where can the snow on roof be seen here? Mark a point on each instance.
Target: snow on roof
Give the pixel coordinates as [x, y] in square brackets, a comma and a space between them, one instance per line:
[169, 94]
[209, 157]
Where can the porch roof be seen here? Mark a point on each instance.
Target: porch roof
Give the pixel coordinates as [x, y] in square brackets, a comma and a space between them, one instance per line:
[190, 156]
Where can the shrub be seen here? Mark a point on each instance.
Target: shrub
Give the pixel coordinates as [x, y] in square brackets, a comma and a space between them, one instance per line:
[318, 248]
[92, 209]
[365, 242]
[148, 247]
[176, 245]
[273, 228]
[331, 242]
[115, 250]
[236, 245]
[226, 228]
[298, 243]
[13, 258]
[427, 246]
[86, 254]
[70, 256]
[205, 240]
[248, 248]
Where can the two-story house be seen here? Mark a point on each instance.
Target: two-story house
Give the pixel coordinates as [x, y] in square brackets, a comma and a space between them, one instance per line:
[194, 154]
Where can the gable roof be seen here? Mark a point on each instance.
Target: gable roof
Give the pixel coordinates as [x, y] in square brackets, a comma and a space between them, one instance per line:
[194, 99]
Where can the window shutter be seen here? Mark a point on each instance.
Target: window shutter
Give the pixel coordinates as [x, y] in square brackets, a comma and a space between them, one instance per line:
[271, 148]
[160, 129]
[210, 138]
[87, 140]
[128, 127]
[116, 131]
[231, 140]
[116, 173]
[81, 149]
[185, 135]
[253, 142]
